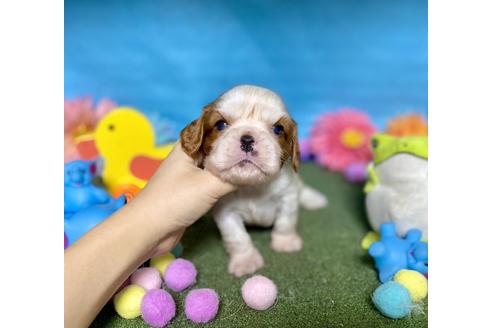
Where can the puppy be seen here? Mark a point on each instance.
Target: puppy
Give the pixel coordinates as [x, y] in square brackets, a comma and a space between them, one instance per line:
[246, 137]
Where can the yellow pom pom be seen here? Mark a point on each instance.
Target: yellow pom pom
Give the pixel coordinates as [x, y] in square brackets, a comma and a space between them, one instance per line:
[368, 239]
[161, 262]
[414, 281]
[127, 302]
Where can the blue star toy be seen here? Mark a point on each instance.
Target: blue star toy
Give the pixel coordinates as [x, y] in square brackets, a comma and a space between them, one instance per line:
[393, 253]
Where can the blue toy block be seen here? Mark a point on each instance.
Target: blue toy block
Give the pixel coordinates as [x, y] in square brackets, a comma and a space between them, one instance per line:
[393, 253]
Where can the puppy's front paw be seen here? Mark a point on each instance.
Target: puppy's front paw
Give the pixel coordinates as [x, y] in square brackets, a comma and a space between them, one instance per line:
[241, 264]
[291, 242]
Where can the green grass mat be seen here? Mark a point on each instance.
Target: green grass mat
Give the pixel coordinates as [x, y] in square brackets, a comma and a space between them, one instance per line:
[328, 284]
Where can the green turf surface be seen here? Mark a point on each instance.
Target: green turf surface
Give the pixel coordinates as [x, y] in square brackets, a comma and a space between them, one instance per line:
[327, 284]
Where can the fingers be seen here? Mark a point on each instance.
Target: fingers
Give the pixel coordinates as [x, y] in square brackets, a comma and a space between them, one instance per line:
[216, 185]
[208, 180]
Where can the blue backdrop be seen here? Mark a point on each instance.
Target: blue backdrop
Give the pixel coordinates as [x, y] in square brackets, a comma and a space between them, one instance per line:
[173, 57]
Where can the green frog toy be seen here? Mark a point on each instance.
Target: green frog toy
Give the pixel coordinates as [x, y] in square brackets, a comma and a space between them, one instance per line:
[396, 190]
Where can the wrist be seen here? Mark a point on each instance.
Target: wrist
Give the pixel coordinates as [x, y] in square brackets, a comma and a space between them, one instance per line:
[148, 219]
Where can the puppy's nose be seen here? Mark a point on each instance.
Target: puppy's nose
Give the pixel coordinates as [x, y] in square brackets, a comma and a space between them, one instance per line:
[247, 143]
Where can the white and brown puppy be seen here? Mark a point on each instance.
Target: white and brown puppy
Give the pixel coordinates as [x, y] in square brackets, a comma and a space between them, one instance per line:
[246, 137]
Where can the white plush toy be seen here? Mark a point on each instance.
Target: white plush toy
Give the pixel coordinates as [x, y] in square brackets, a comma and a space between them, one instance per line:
[397, 186]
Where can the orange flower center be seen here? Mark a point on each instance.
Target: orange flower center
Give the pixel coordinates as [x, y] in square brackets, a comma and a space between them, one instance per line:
[352, 138]
[80, 130]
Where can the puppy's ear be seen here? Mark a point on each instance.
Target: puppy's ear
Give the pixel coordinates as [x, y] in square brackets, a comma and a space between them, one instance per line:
[192, 136]
[289, 142]
[295, 148]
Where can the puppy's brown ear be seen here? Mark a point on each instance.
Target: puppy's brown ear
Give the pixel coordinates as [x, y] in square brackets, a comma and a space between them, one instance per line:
[289, 142]
[191, 136]
[194, 136]
[295, 149]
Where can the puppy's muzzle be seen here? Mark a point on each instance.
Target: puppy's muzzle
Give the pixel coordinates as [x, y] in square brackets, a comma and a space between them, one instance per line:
[247, 142]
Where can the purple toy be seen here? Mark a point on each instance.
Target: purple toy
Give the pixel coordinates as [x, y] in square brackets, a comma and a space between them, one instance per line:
[392, 253]
[201, 305]
[305, 150]
[158, 308]
[66, 240]
[180, 274]
[356, 172]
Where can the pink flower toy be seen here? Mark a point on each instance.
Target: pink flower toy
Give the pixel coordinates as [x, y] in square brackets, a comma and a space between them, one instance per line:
[341, 140]
[80, 119]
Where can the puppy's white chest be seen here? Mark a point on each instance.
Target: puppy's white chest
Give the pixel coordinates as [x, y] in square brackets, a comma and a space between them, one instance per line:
[260, 212]
[260, 206]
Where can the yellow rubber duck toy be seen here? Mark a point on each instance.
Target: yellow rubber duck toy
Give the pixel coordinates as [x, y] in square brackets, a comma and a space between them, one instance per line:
[125, 140]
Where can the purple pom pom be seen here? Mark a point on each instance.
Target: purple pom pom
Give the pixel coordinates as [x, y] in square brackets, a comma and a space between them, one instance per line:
[201, 305]
[158, 308]
[180, 274]
[356, 172]
[66, 240]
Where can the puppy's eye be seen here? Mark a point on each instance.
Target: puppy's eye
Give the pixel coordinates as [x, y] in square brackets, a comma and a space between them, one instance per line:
[221, 125]
[278, 129]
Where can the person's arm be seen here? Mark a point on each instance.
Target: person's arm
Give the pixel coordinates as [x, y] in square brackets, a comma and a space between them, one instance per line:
[152, 223]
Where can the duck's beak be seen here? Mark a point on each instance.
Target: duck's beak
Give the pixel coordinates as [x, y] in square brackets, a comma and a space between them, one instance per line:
[86, 146]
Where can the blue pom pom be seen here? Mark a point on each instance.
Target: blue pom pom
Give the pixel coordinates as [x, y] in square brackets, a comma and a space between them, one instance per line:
[392, 300]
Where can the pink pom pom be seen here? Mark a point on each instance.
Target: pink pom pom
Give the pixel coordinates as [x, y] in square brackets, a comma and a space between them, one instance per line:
[259, 292]
[180, 274]
[147, 278]
[158, 308]
[201, 305]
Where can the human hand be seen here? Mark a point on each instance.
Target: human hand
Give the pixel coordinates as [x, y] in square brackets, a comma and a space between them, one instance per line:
[152, 223]
[176, 196]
